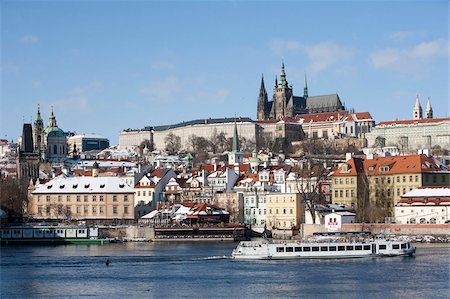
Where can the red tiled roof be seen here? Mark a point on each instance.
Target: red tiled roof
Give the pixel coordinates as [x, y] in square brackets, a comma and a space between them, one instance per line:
[413, 121]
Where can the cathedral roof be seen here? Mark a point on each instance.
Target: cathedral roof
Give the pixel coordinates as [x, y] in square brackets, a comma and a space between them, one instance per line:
[331, 100]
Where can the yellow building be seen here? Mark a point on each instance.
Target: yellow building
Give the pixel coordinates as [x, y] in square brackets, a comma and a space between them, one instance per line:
[283, 210]
[97, 199]
[383, 180]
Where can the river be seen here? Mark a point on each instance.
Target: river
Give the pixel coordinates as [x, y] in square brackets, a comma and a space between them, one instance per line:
[204, 270]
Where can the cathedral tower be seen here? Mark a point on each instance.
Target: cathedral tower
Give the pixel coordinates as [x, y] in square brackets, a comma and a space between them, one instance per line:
[282, 94]
[262, 112]
[417, 110]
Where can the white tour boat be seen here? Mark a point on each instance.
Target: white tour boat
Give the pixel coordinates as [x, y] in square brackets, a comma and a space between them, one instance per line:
[267, 250]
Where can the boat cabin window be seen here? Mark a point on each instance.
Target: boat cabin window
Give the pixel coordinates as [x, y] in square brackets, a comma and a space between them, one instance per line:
[289, 249]
[324, 248]
[298, 249]
[332, 248]
[81, 231]
[306, 248]
[17, 232]
[315, 248]
[280, 249]
[404, 246]
[341, 248]
[382, 247]
[366, 247]
[358, 247]
[349, 247]
[396, 246]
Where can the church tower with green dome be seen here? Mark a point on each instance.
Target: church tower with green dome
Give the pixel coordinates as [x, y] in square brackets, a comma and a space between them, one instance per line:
[55, 141]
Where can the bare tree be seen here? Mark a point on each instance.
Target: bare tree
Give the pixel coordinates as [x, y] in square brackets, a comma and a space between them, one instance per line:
[379, 142]
[13, 198]
[173, 143]
[309, 183]
[218, 141]
[146, 143]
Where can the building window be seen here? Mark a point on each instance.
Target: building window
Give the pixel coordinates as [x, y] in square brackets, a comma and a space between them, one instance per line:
[417, 178]
[94, 197]
[101, 198]
[78, 210]
[86, 209]
[114, 197]
[78, 198]
[101, 210]
[404, 179]
[47, 198]
[398, 179]
[341, 193]
[346, 193]
[125, 198]
[125, 210]
[68, 198]
[410, 178]
[115, 210]
[94, 210]
[59, 198]
[85, 198]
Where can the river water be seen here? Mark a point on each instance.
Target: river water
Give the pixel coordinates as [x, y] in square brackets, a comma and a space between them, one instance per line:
[203, 270]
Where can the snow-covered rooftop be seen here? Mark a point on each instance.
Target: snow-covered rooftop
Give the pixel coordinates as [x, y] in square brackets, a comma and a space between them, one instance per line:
[84, 184]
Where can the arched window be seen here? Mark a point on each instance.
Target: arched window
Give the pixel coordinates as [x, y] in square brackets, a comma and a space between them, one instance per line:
[55, 149]
[423, 220]
[433, 220]
[412, 220]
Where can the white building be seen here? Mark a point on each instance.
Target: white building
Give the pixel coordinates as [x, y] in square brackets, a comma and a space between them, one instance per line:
[334, 221]
[86, 142]
[130, 139]
[424, 206]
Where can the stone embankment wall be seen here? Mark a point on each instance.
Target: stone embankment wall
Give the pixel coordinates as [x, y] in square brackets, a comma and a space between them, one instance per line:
[381, 228]
[127, 232]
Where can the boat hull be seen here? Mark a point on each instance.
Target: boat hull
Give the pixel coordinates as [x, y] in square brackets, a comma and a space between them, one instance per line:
[286, 251]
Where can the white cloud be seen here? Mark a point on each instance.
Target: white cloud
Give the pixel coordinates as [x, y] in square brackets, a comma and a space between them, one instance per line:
[321, 56]
[166, 89]
[399, 36]
[71, 103]
[29, 39]
[416, 59]
[161, 65]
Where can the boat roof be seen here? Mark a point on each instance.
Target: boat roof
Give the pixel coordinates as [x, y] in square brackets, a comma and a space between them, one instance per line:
[341, 233]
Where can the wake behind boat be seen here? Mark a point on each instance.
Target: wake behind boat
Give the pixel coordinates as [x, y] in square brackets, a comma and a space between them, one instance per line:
[267, 250]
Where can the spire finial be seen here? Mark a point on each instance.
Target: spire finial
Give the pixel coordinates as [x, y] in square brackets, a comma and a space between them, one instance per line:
[305, 89]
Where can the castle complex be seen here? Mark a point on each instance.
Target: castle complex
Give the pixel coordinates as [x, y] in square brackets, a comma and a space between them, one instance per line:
[285, 104]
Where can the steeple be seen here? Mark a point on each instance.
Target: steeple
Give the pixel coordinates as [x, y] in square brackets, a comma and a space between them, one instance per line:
[236, 146]
[276, 82]
[305, 89]
[38, 121]
[283, 82]
[417, 110]
[262, 101]
[429, 110]
[52, 120]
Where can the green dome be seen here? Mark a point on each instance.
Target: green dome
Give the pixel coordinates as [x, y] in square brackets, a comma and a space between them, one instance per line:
[54, 132]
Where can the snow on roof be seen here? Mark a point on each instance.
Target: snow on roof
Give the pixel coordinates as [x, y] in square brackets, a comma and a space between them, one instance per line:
[150, 215]
[429, 192]
[84, 184]
[92, 135]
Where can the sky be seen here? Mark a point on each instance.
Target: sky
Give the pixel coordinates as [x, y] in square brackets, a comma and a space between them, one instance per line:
[105, 66]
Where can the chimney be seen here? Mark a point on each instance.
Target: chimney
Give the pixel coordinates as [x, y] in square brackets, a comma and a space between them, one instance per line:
[348, 156]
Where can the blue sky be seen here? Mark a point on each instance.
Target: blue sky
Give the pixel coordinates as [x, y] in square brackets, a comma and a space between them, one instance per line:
[110, 65]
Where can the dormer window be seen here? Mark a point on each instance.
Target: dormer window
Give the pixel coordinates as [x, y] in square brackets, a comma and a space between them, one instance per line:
[86, 186]
[102, 186]
[74, 186]
[345, 168]
[371, 168]
[384, 168]
[61, 186]
[121, 185]
[49, 187]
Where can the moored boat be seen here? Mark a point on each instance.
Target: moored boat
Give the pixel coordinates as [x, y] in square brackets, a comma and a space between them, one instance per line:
[267, 250]
[50, 235]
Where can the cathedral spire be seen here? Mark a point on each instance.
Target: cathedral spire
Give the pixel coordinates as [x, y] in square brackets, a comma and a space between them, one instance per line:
[305, 89]
[283, 81]
[417, 110]
[262, 101]
[276, 81]
[429, 110]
